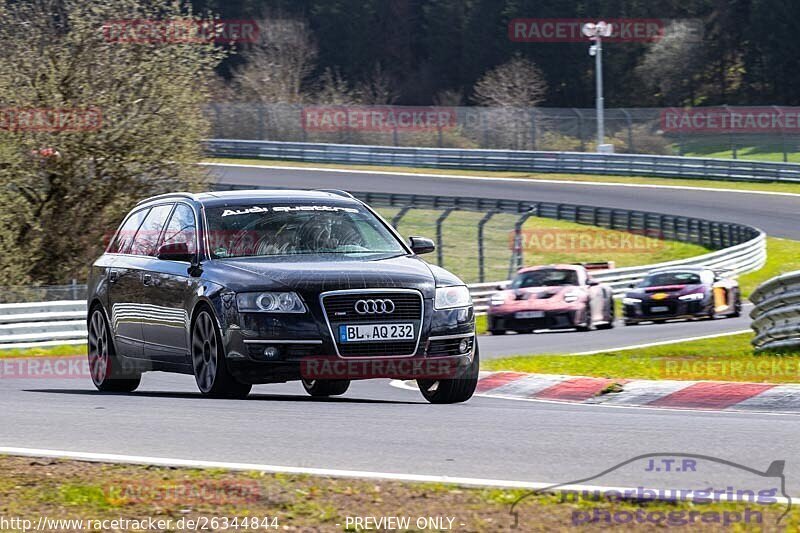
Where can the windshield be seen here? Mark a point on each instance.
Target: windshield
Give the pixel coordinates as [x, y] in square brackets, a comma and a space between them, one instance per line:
[254, 230]
[671, 278]
[545, 278]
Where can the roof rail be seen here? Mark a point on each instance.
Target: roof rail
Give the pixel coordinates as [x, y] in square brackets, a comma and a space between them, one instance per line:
[167, 195]
[337, 192]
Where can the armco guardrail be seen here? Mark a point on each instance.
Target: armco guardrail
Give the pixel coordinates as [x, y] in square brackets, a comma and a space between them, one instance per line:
[510, 160]
[30, 324]
[776, 316]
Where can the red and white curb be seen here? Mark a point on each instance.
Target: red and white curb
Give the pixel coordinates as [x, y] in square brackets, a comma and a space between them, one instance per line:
[662, 394]
[708, 395]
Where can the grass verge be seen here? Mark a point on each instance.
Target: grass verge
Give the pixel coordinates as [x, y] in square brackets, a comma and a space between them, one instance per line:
[71, 490]
[727, 358]
[65, 350]
[783, 256]
[637, 180]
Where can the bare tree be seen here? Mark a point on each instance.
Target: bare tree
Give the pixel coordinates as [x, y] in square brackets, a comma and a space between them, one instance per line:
[378, 88]
[517, 83]
[277, 68]
[674, 65]
[333, 89]
[511, 90]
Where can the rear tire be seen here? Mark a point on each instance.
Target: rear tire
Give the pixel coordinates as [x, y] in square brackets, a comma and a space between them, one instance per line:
[208, 361]
[611, 317]
[320, 388]
[107, 369]
[456, 390]
[587, 326]
[525, 331]
[737, 307]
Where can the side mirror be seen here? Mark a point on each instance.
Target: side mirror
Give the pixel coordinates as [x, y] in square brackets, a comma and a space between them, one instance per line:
[632, 286]
[503, 286]
[421, 245]
[591, 282]
[175, 251]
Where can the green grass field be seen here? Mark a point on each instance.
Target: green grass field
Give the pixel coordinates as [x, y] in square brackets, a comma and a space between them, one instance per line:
[546, 241]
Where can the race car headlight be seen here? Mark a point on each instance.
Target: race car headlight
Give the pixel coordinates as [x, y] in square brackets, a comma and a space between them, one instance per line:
[571, 297]
[270, 302]
[451, 297]
[631, 301]
[694, 297]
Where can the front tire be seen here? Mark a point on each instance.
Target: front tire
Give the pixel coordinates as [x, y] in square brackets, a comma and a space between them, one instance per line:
[456, 390]
[208, 361]
[321, 388]
[105, 366]
[498, 332]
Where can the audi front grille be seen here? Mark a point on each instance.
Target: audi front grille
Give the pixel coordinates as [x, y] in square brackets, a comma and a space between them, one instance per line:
[340, 309]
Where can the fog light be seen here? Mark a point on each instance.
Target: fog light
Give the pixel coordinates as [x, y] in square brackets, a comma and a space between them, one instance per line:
[271, 352]
[463, 346]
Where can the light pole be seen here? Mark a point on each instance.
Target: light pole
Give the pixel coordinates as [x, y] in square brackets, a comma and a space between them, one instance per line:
[596, 32]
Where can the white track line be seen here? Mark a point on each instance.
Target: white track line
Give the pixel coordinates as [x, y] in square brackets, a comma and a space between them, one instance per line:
[662, 343]
[521, 179]
[190, 463]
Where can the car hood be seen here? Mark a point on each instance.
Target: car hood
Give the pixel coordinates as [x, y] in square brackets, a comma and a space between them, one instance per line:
[324, 272]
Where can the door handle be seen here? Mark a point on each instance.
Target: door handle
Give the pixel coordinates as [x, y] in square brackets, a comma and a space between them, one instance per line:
[113, 276]
[147, 279]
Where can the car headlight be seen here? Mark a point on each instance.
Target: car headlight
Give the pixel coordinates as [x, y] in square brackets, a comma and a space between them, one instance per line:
[270, 302]
[450, 297]
[694, 297]
[571, 297]
[631, 301]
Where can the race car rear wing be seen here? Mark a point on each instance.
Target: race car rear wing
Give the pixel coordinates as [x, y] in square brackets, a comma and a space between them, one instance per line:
[597, 265]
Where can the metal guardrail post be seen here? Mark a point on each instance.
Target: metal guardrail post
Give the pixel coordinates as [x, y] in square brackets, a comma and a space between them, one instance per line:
[518, 253]
[481, 252]
[400, 214]
[439, 238]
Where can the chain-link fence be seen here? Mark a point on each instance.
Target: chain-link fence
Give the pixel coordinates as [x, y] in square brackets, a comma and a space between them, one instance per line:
[768, 133]
[42, 293]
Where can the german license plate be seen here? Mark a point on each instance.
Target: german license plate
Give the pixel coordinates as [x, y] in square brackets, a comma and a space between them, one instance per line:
[376, 332]
[529, 314]
[659, 309]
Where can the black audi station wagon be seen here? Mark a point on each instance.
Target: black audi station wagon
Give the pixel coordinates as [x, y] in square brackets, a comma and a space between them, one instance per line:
[250, 287]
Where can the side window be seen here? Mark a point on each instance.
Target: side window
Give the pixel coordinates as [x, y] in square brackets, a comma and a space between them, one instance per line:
[124, 237]
[144, 243]
[181, 228]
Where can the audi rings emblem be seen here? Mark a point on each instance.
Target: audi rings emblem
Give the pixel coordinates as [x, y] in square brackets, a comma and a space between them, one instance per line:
[374, 307]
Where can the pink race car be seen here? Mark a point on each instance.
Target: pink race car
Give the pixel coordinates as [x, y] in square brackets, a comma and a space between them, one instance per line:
[551, 297]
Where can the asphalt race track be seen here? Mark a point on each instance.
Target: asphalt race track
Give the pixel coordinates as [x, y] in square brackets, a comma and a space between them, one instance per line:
[379, 428]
